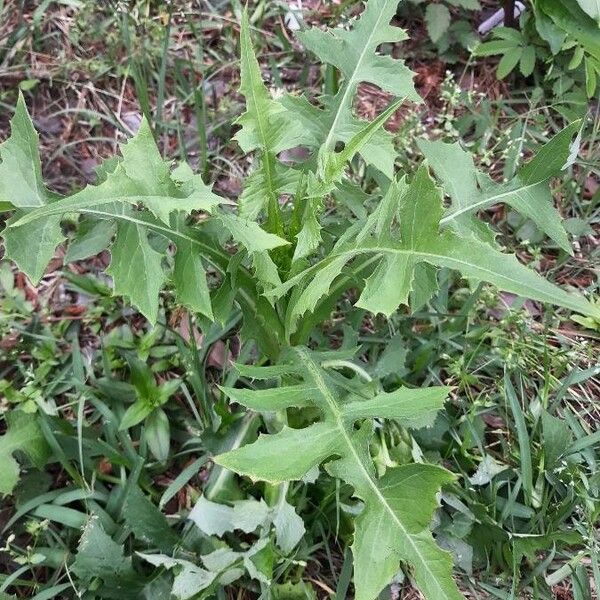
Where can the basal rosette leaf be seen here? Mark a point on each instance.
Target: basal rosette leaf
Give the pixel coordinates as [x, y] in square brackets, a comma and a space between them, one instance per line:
[398, 508]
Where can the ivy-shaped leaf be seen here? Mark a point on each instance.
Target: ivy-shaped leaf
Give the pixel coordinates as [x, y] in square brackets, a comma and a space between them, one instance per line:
[397, 508]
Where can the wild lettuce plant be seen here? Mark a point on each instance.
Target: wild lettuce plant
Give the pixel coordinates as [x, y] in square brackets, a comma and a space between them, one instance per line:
[165, 228]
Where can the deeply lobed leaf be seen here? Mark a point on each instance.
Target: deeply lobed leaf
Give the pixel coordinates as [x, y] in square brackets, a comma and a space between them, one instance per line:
[528, 193]
[397, 250]
[143, 178]
[397, 508]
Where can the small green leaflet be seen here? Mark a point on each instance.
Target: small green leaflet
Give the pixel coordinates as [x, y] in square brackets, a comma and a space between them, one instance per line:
[141, 177]
[33, 245]
[23, 435]
[250, 234]
[316, 125]
[189, 580]
[397, 508]
[133, 256]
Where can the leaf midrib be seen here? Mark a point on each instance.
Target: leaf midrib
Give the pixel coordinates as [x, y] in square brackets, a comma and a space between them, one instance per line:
[350, 83]
[266, 162]
[488, 200]
[574, 303]
[326, 393]
[170, 233]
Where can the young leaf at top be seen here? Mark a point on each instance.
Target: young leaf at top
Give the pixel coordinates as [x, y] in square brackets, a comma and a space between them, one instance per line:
[397, 508]
[268, 127]
[354, 53]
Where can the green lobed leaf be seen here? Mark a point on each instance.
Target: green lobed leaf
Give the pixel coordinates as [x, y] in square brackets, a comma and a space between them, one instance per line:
[268, 127]
[23, 434]
[418, 240]
[265, 125]
[354, 53]
[141, 177]
[397, 508]
[249, 515]
[99, 556]
[21, 182]
[528, 193]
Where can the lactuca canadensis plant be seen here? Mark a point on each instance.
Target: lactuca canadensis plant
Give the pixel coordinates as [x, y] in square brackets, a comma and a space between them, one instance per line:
[286, 276]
